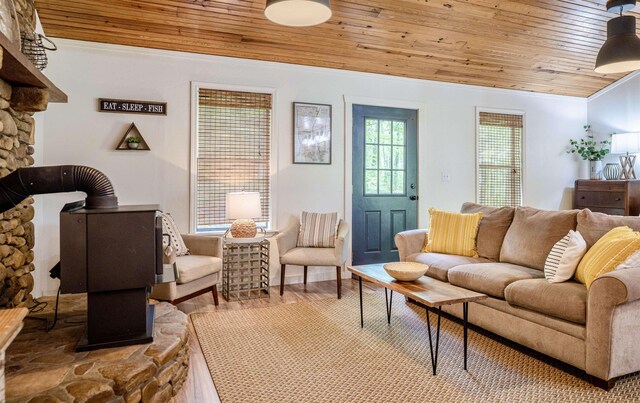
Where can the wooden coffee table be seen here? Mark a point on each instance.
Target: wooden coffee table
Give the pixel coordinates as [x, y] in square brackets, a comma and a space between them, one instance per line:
[429, 291]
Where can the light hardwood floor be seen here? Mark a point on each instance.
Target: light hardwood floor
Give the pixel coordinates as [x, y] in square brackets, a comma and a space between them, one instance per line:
[199, 386]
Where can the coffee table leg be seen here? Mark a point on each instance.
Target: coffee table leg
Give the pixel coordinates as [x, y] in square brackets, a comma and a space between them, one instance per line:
[361, 313]
[388, 302]
[434, 357]
[465, 314]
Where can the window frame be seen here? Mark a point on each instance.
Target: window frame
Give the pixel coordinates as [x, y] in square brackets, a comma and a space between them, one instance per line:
[522, 148]
[193, 149]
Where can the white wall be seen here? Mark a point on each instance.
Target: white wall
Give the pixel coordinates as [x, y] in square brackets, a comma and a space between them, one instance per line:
[75, 133]
[616, 109]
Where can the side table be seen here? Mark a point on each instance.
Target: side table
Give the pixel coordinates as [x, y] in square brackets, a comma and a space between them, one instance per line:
[245, 269]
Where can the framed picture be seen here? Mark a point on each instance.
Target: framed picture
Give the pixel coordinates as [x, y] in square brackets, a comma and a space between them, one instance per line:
[311, 133]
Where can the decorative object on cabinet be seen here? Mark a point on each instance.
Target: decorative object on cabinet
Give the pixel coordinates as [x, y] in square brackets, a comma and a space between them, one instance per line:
[627, 144]
[615, 197]
[245, 269]
[243, 207]
[127, 106]
[133, 140]
[612, 171]
[621, 51]
[34, 48]
[311, 133]
[590, 150]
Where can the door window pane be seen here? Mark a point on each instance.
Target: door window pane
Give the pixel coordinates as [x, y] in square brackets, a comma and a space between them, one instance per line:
[370, 181]
[371, 156]
[398, 182]
[385, 182]
[371, 131]
[398, 133]
[385, 132]
[385, 157]
[398, 157]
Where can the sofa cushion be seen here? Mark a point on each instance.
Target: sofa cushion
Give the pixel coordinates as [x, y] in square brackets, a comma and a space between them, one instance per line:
[493, 227]
[452, 233]
[490, 278]
[193, 267]
[592, 226]
[439, 263]
[533, 233]
[566, 300]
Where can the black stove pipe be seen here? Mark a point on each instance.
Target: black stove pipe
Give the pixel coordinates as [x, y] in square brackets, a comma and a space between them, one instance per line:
[24, 182]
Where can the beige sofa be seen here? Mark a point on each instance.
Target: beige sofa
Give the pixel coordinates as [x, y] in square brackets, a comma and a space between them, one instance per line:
[595, 330]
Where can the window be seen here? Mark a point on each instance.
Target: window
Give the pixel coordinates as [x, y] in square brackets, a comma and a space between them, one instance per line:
[384, 155]
[499, 142]
[232, 140]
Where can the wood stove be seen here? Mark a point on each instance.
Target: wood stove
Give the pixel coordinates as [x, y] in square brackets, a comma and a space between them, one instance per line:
[115, 256]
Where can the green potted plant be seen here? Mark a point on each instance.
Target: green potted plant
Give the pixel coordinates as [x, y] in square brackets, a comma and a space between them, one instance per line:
[133, 142]
[589, 149]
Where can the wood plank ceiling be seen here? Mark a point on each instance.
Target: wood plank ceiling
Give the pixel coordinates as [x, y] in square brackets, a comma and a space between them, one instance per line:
[546, 46]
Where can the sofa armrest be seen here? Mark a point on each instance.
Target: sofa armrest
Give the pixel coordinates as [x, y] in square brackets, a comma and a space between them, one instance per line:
[206, 245]
[613, 306]
[410, 242]
[342, 242]
[287, 239]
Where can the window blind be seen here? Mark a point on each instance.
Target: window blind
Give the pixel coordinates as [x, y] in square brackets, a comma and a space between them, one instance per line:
[500, 159]
[233, 148]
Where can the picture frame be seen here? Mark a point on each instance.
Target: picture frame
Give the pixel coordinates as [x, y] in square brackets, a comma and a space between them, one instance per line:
[312, 133]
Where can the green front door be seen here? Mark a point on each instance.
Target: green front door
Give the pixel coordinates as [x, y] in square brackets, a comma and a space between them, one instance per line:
[385, 179]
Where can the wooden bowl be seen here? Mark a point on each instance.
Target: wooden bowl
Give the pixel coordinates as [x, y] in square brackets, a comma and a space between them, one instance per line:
[406, 271]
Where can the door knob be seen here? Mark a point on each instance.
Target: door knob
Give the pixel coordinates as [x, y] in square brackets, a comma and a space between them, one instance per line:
[413, 197]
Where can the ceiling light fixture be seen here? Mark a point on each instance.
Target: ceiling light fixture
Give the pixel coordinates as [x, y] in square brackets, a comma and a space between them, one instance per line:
[298, 13]
[621, 52]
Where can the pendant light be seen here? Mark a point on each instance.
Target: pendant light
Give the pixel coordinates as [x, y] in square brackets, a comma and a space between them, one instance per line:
[298, 13]
[621, 52]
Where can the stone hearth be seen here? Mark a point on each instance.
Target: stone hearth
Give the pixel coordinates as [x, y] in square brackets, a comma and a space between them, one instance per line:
[43, 367]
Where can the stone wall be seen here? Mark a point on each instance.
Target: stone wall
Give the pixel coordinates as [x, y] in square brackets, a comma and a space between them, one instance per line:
[26, 11]
[16, 228]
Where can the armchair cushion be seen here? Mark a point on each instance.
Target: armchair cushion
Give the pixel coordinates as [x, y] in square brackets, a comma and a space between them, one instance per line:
[175, 239]
[193, 267]
[317, 230]
[311, 257]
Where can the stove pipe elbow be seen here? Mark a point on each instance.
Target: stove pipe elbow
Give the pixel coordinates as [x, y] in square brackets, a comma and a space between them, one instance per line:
[24, 182]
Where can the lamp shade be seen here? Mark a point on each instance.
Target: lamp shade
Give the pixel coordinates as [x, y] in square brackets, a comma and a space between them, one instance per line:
[298, 13]
[243, 205]
[625, 143]
[621, 52]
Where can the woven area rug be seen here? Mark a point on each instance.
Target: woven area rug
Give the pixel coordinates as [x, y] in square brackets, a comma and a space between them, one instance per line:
[315, 351]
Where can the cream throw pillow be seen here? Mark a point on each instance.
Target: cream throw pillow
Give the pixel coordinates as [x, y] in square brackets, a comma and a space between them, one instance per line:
[318, 230]
[452, 233]
[170, 228]
[563, 260]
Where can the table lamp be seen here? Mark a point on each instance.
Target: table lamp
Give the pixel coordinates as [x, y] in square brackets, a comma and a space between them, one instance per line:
[243, 207]
[627, 144]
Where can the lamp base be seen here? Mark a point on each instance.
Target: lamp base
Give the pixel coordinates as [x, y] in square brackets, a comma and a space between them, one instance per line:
[627, 162]
[244, 228]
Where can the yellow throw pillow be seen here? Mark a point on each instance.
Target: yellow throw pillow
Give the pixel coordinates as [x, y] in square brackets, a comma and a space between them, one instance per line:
[452, 233]
[607, 253]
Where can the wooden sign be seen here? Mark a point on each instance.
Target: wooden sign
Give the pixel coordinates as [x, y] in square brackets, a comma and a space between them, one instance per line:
[126, 106]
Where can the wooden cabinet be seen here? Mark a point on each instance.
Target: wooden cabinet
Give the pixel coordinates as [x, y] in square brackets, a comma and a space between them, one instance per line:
[617, 197]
